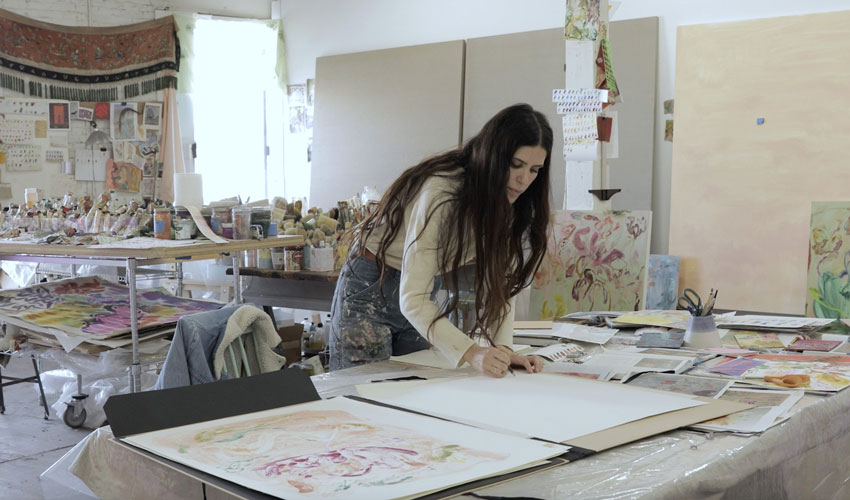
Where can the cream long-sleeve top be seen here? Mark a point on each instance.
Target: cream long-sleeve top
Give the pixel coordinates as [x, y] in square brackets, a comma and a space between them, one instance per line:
[418, 261]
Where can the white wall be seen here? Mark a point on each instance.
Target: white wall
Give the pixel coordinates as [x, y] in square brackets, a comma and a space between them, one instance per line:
[314, 28]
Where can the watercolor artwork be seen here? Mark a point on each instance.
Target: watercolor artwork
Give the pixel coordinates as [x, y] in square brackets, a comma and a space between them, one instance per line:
[122, 176]
[94, 308]
[595, 261]
[582, 20]
[828, 276]
[757, 340]
[341, 448]
[662, 290]
[826, 373]
[683, 384]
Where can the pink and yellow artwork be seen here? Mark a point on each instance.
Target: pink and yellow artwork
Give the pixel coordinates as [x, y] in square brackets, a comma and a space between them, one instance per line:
[344, 449]
[95, 308]
[594, 261]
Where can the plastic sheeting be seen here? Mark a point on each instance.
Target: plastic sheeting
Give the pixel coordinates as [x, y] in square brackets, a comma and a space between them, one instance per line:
[805, 457]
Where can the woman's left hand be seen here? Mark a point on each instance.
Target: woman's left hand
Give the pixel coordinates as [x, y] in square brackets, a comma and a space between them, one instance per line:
[532, 364]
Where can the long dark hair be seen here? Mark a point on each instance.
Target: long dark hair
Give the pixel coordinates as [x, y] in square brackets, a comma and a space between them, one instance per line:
[509, 240]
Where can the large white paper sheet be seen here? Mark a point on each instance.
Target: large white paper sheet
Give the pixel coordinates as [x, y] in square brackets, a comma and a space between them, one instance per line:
[541, 405]
[343, 449]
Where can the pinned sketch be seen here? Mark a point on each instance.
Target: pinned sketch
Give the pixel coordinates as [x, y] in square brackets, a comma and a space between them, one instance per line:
[579, 100]
[595, 261]
[343, 449]
[668, 107]
[663, 287]
[580, 136]
[14, 131]
[668, 130]
[582, 20]
[123, 176]
[3, 149]
[296, 95]
[23, 158]
[59, 116]
[85, 114]
[124, 122]
[55, 155]
[311, 92]
[41, 129]
[147, 187]
[605, 72]
[101, 110]
[23, 106]
[152, 115]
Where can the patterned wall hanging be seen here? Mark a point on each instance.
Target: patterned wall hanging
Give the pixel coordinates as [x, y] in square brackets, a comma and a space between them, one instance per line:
[87, 64]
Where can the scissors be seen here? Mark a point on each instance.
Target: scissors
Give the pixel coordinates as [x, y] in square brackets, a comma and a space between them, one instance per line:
[691, 301]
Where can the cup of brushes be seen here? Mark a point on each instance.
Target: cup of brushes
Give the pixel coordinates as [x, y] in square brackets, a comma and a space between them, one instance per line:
[701, 332]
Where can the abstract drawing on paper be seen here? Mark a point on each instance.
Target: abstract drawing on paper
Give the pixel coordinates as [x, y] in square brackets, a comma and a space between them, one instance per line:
[123, 176]
[94, 308]
[579, 100]
[594, 261]
[580, 136]
[829, 261]
[582, 21]
[663, 287]
[344, 449]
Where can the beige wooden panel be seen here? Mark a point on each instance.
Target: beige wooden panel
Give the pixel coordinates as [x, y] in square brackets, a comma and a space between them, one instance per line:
[741, 192]
[508, 69]
[380, 112]
[634, 50]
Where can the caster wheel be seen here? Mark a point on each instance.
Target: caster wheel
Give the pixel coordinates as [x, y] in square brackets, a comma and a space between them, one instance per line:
[71, 420]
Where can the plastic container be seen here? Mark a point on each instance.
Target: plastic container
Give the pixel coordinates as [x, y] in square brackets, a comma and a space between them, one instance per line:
[218, 217]
[227, 230]
[30, 196]
[277, 258]
[241, 223]
[162, 223]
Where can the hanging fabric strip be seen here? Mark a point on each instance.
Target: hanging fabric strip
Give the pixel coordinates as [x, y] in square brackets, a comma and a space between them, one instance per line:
[87, 64]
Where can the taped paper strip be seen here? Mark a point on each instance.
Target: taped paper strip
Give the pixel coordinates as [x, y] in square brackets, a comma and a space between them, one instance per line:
[203, 226]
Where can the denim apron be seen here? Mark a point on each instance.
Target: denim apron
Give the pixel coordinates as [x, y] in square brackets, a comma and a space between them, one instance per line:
[366, 322]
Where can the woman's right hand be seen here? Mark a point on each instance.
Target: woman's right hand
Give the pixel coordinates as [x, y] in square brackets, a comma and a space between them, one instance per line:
[488, 360]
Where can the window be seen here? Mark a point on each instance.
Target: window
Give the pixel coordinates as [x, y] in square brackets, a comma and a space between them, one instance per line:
[238, 109]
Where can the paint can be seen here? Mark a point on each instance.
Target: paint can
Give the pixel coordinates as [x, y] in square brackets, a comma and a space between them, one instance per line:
[162, 223]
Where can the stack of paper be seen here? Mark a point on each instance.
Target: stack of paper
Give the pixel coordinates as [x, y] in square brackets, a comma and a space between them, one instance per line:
[567, 331]
[782, 324]
[771, 408]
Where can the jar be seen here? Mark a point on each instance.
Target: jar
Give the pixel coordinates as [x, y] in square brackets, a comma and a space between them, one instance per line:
[162, 223]
[262, 216]
[227, 230]
[220, 216]
[292, 259]
[241, 223]
[250, 258]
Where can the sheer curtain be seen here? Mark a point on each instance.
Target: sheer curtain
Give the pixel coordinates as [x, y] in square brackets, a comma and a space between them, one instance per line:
[233, 71]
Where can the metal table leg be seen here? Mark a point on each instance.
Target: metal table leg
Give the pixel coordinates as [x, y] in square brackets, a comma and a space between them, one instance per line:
[178, 268]
[237, 290]
[135, 369]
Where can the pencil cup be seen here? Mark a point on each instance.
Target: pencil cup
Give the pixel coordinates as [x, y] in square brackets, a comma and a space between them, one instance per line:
[701, 332]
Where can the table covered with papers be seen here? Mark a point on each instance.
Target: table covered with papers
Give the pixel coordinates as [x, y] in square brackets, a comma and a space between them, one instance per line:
[804, 457]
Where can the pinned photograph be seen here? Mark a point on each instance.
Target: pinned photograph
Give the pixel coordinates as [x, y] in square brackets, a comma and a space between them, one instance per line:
[85, 114]
[152, 117]
[124, 122]
[59, 116]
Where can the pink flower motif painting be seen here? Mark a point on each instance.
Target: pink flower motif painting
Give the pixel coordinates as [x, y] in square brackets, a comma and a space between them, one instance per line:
[594, 261]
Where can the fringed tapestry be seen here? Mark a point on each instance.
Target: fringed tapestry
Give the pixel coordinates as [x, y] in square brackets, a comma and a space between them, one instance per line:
[87, 64]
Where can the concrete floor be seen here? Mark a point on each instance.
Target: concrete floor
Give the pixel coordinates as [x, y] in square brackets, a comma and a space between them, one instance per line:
[29, 445]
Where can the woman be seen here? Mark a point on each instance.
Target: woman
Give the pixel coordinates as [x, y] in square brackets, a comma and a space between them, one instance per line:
[487, 204]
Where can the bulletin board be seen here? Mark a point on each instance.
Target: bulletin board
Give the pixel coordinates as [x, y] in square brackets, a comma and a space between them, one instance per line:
[742, 191]
[42, 145]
